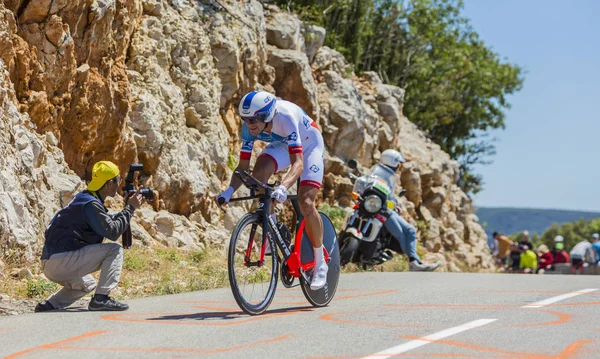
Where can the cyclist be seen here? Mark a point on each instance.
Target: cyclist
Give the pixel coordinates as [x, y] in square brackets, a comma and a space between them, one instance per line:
[294, 140]
[403, 232]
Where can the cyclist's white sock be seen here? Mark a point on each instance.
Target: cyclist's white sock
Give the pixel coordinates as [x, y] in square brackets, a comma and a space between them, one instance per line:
[319, 278]
[319, 259]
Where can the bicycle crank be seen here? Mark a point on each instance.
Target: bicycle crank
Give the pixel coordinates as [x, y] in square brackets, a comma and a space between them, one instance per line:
[286, 278]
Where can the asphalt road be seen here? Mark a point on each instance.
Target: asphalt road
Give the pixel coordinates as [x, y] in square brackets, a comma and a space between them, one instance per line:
[378, 315]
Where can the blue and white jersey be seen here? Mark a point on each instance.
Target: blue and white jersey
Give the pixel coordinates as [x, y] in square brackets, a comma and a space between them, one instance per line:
[291, 126]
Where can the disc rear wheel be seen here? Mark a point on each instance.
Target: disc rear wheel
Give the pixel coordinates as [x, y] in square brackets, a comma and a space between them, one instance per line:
[322, 297]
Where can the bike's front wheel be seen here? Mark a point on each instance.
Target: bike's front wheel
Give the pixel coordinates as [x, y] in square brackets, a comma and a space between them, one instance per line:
[253, 283]
[322, 297]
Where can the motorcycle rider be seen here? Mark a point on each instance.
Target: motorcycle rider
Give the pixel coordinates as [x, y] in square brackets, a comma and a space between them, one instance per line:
[403, 232]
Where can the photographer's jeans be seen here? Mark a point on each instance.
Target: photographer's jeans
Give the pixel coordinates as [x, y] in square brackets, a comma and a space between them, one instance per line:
[73, 271]
[404, 233]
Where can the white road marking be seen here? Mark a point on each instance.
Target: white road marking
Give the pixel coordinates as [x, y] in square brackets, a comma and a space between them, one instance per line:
[413, 344]
[558, 298]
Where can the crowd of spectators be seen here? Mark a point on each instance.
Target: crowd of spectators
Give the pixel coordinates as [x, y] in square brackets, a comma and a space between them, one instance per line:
[522, 256]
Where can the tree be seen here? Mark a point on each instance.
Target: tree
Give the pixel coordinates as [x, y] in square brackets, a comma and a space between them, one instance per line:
[573, 232]
[456, 86]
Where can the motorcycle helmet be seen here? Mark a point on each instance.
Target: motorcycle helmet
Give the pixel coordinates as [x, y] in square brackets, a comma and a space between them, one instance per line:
[392, 159]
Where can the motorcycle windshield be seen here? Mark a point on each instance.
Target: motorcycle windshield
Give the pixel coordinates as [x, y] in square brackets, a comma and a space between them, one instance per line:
[384, 173]
[377, 173]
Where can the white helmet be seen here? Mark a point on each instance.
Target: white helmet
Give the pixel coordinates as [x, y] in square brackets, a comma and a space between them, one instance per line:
[559, 239]
[257, 106]
[392, 158]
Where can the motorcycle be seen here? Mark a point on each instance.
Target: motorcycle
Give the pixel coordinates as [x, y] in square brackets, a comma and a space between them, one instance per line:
[364, 239]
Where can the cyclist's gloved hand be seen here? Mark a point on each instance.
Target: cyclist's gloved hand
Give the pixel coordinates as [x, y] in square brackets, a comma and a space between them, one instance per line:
[280, 194]
[225, 195]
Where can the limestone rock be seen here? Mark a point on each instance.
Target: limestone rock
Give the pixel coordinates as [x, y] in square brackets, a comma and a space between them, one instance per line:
[283, 31]
[314, 36]
[294, 80]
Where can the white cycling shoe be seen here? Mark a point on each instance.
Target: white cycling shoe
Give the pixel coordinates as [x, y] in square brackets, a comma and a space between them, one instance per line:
[319, 277]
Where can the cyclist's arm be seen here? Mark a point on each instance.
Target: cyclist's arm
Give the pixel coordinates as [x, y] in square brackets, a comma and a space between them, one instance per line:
[236, 182]
[245, 156]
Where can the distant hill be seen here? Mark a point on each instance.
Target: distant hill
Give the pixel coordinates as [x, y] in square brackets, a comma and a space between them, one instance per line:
[513, 220]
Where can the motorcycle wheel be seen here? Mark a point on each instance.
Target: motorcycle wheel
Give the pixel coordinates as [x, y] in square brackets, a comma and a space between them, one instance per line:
[349, 245]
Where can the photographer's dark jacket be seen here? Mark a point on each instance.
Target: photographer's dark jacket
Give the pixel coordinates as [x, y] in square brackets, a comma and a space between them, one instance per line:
[82, 222]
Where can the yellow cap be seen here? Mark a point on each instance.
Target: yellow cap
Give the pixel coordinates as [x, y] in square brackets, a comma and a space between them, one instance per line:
[102, 172]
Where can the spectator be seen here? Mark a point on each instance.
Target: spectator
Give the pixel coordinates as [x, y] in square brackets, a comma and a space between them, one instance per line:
[528, 260]
[515, 257]
[525, 240]
[504, 244]
[590, 256]
[558, 252]
[546, 259]
[493, 244]
[578, 254]
[596, 245]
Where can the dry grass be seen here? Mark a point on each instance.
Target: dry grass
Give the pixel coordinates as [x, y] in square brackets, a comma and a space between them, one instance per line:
[146, 272]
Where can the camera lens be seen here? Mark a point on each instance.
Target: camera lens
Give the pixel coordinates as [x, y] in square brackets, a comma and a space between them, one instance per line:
[147, 193]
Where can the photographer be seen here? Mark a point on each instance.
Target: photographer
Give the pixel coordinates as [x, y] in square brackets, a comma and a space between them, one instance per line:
[73, 247]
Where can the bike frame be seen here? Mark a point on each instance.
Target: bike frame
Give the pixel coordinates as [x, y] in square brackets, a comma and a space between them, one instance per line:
[291, 258]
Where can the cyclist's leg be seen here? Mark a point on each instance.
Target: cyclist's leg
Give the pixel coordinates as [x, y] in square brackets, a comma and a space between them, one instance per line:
[307, 195]
[266, 165]
[272, 159]
[310, 186]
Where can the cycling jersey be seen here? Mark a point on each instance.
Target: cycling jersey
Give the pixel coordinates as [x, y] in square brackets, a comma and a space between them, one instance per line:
[293, 132]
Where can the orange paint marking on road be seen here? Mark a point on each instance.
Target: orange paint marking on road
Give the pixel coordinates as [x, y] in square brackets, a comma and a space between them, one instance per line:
[175, 350]
[457, 306]
[197, 316]
[480, 348]
[300, 302]
[562, 317]
[572, 349]
[417, 355]
[365, 295]
[55, 344]
[572, 304]
[330, 317]
[526, 291]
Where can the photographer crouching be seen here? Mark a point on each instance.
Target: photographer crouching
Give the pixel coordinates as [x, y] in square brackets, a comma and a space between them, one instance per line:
[73, 247]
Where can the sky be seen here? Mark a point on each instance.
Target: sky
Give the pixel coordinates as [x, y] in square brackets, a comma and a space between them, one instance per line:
[548, 156]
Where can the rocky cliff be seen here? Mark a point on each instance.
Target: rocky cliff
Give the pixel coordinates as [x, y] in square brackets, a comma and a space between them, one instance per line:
[158, 82]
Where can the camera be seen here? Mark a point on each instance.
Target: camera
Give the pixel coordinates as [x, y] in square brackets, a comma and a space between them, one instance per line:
[129, 187]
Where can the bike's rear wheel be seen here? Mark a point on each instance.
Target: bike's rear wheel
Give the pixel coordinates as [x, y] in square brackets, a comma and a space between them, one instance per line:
[253, 286]
[322, 297]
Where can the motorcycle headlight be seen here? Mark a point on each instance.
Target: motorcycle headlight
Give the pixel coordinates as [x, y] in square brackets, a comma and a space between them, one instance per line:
[372, 204]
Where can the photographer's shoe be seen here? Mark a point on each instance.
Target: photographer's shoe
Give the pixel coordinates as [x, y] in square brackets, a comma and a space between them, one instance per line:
[110, 304]
[44, 306]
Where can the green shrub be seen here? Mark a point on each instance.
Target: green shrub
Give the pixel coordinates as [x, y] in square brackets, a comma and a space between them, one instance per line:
[39, 288]
[336, 214]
